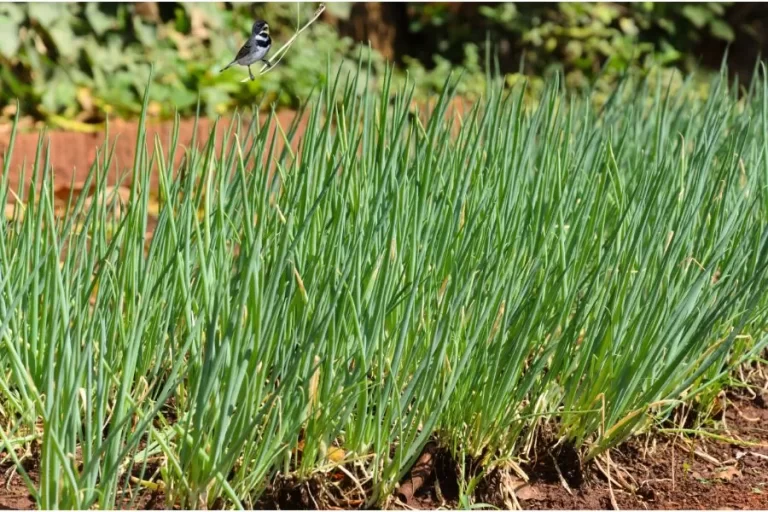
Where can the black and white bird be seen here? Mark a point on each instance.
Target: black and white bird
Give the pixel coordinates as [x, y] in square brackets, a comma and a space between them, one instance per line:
[255, 48]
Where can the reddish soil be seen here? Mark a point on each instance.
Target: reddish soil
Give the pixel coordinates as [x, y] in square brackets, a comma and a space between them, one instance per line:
[658, 472]
[661, 472]
[73, 153]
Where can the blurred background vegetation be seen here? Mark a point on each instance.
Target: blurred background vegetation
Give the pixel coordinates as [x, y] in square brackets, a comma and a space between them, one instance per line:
[73, 64]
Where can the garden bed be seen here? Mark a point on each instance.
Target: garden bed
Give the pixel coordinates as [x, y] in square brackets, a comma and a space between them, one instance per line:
[722, 468]
[398, 296]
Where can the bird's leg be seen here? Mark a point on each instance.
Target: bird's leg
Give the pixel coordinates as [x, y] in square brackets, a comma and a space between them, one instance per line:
[250, 73]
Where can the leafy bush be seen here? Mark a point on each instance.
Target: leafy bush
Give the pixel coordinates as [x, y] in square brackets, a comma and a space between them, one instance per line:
[97, 56]
[579, 37]
[83, 61]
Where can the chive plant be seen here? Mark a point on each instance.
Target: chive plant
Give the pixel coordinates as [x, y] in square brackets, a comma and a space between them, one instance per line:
[393, 277]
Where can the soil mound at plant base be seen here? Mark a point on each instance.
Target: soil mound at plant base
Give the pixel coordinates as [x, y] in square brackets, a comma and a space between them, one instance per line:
[73, 153]
[726, 471]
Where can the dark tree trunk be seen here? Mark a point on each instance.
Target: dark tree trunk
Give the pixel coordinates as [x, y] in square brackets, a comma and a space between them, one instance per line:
[385, 25]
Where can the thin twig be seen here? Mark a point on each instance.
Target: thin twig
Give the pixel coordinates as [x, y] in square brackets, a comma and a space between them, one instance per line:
[615, 477]
[279, 54]
[707, 457]
[704, 433]
[563, 481]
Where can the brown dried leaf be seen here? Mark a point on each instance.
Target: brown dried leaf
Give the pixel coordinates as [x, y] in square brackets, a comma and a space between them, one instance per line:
[523, 490]
[728, 474]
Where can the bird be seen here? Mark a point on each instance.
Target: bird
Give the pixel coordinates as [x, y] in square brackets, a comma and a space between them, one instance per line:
[255, 48]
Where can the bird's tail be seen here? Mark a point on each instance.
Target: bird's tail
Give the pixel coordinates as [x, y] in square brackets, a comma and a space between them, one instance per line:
[226, 67]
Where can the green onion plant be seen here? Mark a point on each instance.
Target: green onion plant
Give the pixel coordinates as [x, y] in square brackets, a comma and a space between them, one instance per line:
[398, 275]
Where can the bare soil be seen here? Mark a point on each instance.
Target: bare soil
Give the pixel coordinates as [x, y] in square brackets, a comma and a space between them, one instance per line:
[727, 470]
[73, 153]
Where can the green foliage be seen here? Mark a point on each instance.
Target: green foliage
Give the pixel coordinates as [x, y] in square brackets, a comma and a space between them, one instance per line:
[85, 61]
[586, 40]
[91, 59]
[575, 264]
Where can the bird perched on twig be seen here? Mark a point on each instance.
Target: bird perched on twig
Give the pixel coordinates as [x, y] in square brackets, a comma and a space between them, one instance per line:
[255, 48]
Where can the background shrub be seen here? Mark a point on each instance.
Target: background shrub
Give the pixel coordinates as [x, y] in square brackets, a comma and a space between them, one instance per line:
[84, 61]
